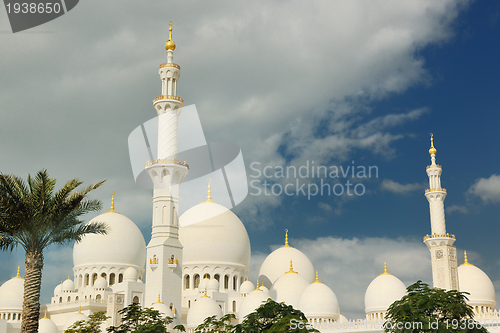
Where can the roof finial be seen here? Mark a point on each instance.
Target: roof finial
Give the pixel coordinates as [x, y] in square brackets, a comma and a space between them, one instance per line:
[258, 285]
[112, 210]
[45, 315]
[79, 310]
[432, 150]
[291, 268]
[385, 269]
[18, 276]
[209, 194]
[286, 238]
[466, 262]
[205, 294]
[317, 279]
[170, 45]
[159, 300]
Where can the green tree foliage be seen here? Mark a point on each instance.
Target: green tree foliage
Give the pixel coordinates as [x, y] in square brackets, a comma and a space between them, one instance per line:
[137, 319]
[425, 309]
[92, 325]
[271, 317]
[34, 216]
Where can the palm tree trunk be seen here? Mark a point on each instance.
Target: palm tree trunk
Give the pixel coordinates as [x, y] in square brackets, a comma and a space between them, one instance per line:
[32, 285]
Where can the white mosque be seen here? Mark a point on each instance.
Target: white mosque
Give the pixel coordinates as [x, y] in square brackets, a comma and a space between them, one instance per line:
[197, 265]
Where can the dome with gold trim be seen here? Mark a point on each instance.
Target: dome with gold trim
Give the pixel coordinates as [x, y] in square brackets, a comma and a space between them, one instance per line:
[474, 281]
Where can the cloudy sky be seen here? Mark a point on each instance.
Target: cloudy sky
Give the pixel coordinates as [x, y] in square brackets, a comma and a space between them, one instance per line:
[336, 84]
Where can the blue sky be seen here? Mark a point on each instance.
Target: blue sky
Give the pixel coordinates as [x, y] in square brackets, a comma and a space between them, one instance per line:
[332, 83]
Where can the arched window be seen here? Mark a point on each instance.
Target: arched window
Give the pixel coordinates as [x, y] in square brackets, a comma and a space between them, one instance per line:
[171, 306]
[120, 278]
[94, 278]
[103, 275]
[217, 277]
[186, 282]
[206, 276]
[242, 280]
[80, 280]
[136, 300]
[189, 304]
[98, 296]
[226, 281]
[86, 280]
[60, 299]
[196, 281]
[234, 306]
[69, 299]
[235, 282]
[76, 298]
[111, 279]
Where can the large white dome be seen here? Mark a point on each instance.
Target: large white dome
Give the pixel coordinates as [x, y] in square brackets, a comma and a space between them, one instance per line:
[277, 264]
[250, 303]
[382, 292]
[211, 233]
[11, 294]
[319, 301]
[45, 325]
[203, 308]
[288, 289]
[122, 245]
[474, 281]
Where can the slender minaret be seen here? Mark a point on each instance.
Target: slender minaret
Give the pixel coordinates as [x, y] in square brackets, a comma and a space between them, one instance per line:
[440, 243]
[164, 251]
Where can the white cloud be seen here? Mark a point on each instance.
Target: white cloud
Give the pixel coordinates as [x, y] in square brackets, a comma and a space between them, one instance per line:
[488, 189]
[348, 266]
[325, 207]
[456, 208]
[395, 187]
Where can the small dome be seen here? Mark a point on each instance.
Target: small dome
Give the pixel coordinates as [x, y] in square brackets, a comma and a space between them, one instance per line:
[163, 309]
[74, 318]
[250, 303]
[58, 289]
[342, 319]
[68, 286]
[213, 285]
[204, 307]
[203, 284]
[46, 325]
[130, 274]
[122, 245]
[100, 283]
[382, 292]
[276, 264]
[247, 287]
[11, 294]
[211, 233]
[319, 301]
[474, 281]
[264, 289]
[170, 45]
[288, 289]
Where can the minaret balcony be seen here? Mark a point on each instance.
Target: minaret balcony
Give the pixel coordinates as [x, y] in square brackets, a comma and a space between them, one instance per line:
[439, 240]
[433, 166]
[435, 190]
[170, 64]
[167, 161]
[171, 97]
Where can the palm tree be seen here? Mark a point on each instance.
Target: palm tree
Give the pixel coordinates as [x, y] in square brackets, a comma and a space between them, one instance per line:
[34, 216]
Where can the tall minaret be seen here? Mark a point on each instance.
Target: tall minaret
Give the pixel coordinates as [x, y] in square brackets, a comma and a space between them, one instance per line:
[164, 251]
[440, 243]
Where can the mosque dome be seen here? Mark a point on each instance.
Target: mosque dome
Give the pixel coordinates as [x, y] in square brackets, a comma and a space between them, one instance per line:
[68, 286]
[123, 244]
[264, 289]
[474, 281]
[58, 289]
[163, 309]
[130, 274]
[74, 318]
[11, 294]
[45, 325]
[342, 319]
[288, 288]
[319, 301]
[246, 287]
[277, 263]
[212, 285]
[203, 284]
[382, 292]
[212, 233]
[100, 283]
[202, 308]
[253, 300]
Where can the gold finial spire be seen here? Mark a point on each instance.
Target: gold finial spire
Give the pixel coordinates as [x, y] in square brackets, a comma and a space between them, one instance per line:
[45, 315]
[170, 45]
[317, 279]
[291, 268]
[258, 285]
[79, 310]
[205, 294]
[432, 150]
[209, 193]
[247, 277]
[385, 269]
[159, 300]
[466, 262]
[286, 238]
[112, 210]
[18, 276]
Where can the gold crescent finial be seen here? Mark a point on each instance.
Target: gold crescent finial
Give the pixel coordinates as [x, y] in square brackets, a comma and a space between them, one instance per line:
[159, 300]
[171, 23]
[257, 285]
[205, 295]
[291, 268]
[45, 315]
[466, 262]
[112, 210]
[385, 269]
[18, 276]
[79, 310]
[432, 150]
[209, 193]
[170, 45]
[317, 278]
[286, 238]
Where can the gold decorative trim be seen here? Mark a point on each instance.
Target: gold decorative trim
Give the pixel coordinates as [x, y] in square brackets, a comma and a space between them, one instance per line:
[166, 64]
[167, 161]
[447, 235]
[177, 98]
[435, 190]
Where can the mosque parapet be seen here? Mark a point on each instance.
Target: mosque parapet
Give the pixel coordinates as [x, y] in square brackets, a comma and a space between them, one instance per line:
[447, 235]
[167, 161]
[435, 190]
[166, 64]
